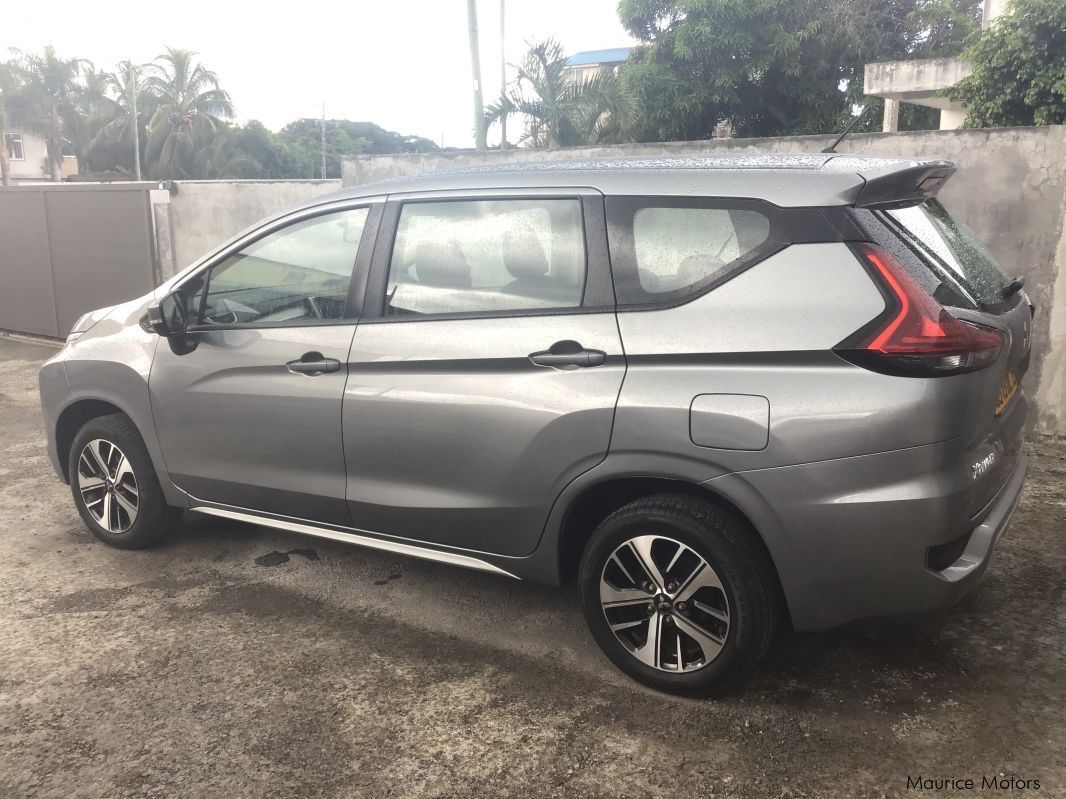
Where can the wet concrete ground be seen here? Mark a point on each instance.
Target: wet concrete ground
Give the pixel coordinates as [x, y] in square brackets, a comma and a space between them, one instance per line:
[237, 661]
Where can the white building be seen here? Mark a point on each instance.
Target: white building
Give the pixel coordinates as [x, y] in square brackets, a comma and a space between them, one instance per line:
[27, 158]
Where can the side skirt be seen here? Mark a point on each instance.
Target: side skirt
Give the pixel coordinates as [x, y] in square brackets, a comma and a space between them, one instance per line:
[370, 542]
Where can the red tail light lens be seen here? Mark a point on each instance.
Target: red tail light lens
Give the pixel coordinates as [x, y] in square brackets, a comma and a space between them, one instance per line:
[916, 336]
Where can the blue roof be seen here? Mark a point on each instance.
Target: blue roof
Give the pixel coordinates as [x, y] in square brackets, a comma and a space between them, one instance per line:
[612, 55]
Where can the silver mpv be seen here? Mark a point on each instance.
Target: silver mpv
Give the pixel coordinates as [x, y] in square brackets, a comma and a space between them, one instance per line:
[721, 394]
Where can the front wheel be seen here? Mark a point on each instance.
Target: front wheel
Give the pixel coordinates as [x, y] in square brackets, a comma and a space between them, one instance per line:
[115, 486]
[678, 594]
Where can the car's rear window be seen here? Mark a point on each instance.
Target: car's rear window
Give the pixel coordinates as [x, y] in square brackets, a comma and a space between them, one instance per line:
[953, 249]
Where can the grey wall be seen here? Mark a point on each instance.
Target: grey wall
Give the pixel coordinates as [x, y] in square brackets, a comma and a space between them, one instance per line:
[1010, 187]
[204, 214]
[68, 249]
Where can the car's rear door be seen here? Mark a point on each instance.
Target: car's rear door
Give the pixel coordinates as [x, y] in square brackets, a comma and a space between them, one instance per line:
[485, 370]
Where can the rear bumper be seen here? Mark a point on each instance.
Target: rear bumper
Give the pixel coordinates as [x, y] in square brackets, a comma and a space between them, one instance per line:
[851, 537]
[971, 565]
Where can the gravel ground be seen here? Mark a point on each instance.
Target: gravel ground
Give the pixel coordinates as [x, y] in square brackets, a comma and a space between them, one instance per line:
[237, 661]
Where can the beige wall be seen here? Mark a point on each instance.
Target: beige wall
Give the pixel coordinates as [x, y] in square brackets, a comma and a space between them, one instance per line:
[204, 214]
[1010, 187]
[34, 167]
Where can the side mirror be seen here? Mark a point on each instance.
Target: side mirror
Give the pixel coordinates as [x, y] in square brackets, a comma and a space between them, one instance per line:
[169, 317]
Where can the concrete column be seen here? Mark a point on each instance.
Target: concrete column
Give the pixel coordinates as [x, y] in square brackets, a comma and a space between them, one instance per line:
[164, 266]
[991, 10]
[891, 123]
[952, 118]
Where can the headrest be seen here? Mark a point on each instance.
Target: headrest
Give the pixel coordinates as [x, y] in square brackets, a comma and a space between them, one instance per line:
[523, 254]
[442, 263]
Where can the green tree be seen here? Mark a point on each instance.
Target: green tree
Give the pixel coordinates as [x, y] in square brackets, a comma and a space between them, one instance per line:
[223, 159]
[300, 144]
[48, 100]
[192, 108]
[109, 114]
[1019, 68]
[559, 111]
[942, 28]
[770, 67]
[10, 84]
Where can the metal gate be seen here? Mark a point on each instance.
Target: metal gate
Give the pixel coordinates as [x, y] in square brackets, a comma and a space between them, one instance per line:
[67, 249]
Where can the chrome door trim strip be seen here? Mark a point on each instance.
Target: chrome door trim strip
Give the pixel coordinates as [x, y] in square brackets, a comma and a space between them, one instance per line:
[451, 558]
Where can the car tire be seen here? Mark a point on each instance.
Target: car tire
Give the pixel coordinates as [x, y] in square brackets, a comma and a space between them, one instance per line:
[115, 486]
[716, 623]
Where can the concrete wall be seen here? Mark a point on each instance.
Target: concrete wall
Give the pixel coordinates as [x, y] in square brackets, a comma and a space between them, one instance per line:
[204, 214]
[1010, 188]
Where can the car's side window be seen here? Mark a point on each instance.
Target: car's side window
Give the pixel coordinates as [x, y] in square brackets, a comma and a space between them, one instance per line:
[678, 247]
[666, 250]
[298, 274]
[478, 256]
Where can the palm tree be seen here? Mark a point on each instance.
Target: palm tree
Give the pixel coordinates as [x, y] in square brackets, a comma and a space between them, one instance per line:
[111, 116]
[559, 111]
[49, 100]
[192, 108]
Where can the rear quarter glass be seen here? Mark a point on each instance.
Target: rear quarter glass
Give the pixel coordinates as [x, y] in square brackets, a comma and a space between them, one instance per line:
[952, 250]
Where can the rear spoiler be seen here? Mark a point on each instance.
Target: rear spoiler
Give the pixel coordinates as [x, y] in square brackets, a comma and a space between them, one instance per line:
[899, 187]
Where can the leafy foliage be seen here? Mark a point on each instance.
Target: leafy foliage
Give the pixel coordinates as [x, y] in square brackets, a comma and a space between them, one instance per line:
[47, 101]
[183, 121]
[559, 111]
[772, 67]
[191, 109]
[1019, 68]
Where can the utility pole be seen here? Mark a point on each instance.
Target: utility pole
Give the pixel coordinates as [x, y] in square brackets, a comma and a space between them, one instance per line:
[475, 66]
[134, 122]
[503, 76]
[323, 134]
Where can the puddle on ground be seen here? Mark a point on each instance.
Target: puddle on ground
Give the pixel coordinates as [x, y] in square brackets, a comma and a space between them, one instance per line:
[277, 558]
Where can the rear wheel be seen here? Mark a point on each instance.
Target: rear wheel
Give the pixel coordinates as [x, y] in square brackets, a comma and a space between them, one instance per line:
[678, 594]
[115, 486]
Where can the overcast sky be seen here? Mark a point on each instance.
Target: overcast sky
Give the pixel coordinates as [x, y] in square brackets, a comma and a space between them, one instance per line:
[402, 64]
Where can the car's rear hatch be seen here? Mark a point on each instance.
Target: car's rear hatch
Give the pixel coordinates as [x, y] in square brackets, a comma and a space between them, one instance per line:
[986, 296]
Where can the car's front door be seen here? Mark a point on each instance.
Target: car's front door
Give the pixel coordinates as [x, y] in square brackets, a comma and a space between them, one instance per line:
[485, 370]
[251, 417]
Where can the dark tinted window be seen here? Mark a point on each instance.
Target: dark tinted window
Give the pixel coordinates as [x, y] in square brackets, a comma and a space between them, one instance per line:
[666, 250]
[677, 248]
[297, 274]
[487, 256]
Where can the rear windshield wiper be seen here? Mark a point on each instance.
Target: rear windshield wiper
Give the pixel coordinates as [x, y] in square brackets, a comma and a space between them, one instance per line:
[1011, 288]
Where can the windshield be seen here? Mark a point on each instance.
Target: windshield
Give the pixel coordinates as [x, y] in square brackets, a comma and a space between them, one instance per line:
[953, 249]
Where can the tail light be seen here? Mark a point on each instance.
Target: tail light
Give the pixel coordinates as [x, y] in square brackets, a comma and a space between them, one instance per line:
[916, 336]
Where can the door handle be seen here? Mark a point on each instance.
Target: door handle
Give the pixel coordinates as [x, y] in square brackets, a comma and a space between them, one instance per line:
[313, 363]
[568, 355]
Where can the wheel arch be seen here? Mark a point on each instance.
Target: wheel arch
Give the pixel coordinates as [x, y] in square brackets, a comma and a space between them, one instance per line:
[595, 502]
[72, 419]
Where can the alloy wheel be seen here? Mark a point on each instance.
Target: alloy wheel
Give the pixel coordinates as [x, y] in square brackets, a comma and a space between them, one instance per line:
[108, 485]
[665, 603]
